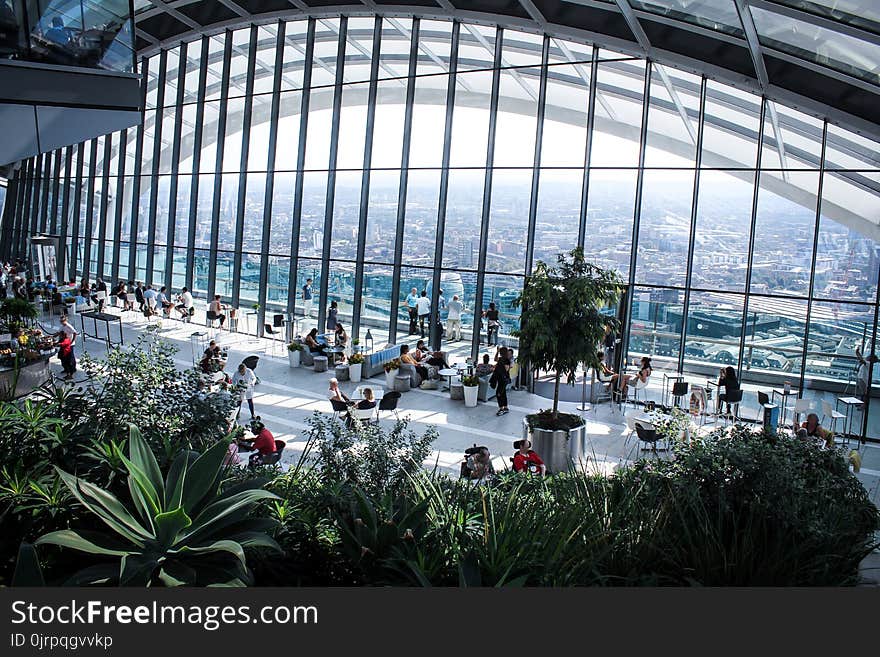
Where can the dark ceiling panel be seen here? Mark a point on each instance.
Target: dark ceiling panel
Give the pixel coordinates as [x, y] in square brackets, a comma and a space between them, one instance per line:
[698, 46]
[263, 6]
[162, 26]
[822, 88]
[206, 13]
[503, 7]
[326, 3]
[411, 3]
[580, 17]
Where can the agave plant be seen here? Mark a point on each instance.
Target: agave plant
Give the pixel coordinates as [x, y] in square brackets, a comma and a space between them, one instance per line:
[180, 531]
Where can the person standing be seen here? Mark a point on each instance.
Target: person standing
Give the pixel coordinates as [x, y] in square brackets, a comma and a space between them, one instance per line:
[492, 317]
[411, 300]
[453, 319]
[332, 314]
[100, 293]
[68, 329]
[65, 354]
[500, 379]
[306, 297]
[423, 308]
[248, 379]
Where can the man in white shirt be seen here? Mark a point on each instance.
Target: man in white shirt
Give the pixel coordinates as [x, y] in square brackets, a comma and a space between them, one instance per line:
[186, 302]
[454, 319]
[423, 308]
[246, 377]
[68, 329]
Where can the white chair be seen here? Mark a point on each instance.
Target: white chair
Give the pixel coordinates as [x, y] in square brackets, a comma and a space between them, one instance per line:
[640, 386]
[801, 406]
[365, 415]
[131, 300]
[631, 419]
[828, 413]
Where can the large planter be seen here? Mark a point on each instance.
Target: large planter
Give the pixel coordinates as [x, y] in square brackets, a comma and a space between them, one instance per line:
[389, 379]
[470, 395]
[293, 358]
[561, 449]
[354, 371]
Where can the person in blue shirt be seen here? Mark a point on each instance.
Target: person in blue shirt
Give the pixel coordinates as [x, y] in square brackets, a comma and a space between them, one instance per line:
[412, 306]
[307, 298]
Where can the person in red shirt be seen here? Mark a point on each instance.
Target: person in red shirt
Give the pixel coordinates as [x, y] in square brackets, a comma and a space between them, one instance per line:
[65, 354]
[526, 460]
[264, 443]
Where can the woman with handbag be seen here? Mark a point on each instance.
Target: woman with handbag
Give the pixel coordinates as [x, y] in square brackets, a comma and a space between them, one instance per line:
[500, 379]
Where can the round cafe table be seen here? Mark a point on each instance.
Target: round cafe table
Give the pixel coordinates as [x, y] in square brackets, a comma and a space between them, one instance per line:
[448, 373]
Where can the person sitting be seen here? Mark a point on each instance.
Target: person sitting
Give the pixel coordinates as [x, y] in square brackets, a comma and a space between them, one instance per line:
[421, 351]
[215, 353]
[163, 300]
[485, 368]
[477, 465]
[406, 357]
[264, 443]
[217, 308]
[526, 460]
[335, 394]
[727, 380]
[643, 374]
[604, 373]
[436, 359]
[150, 301]
[184, 303]
[315, 347]
[340, 336]
[812, 429]
[368, 402]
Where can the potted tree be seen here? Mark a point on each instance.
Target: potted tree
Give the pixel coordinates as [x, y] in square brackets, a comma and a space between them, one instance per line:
[471, 385]
[293, 353]
[391, 368]
[16, 314]
[355, 365]
[561, 327]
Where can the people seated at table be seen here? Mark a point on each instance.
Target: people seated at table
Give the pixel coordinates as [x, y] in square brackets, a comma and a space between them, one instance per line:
[315, 348]
[139, 296]
[485, 368]
[812, 429]
[215, 352]
[217, 308]
[727, 380]
[526, 460]
[335, 394]
[406, 357]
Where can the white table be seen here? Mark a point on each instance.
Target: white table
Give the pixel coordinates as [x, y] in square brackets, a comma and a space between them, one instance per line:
[851, 403]
[448, 373]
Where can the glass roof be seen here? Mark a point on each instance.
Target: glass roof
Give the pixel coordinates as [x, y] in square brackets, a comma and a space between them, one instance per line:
[796, 38]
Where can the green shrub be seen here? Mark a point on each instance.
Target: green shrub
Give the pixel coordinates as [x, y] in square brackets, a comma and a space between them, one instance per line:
[180, 530]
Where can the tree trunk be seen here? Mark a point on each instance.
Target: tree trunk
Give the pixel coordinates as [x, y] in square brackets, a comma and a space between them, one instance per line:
[556, 395]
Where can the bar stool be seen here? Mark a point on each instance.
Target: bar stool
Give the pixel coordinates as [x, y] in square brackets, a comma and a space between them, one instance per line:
[734, 397]
[828, 412]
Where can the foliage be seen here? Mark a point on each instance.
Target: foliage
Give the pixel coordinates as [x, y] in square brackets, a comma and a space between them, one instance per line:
[562, 320]
[294, 346]
[143, 385]
[16, 313]
[470, 380]
[180, 530]
[670, 425]
[377, 460]
[736, 509]
[392, 364]
[356, 359]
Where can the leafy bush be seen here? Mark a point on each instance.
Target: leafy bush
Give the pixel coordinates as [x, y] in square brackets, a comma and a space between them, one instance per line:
[356, 359]
[180, 530]
[367, 456]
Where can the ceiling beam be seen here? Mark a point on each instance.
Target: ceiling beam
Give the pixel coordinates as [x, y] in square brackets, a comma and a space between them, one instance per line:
[171, 11]
[635, 27]
[754, 44]
[676, 100]
[237, 8]
[816, 20]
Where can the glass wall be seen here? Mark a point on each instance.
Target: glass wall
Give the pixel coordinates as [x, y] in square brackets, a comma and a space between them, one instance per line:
[377, 155]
